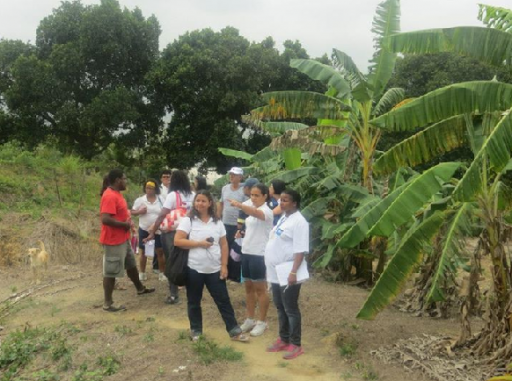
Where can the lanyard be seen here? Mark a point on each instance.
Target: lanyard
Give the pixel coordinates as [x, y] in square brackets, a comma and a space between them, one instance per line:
[281, 221]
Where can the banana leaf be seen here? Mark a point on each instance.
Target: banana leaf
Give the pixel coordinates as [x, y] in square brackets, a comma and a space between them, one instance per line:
[317, 207]
[458, 225]
[390, 99]
[416, 193]
[234, 153]
[497, 147]
[323, 73]
[289, 176]
[385, 23]
[461, 98]
[485, 44]
[400, 267]
[424, 146]
[292, 159]
[496, 17]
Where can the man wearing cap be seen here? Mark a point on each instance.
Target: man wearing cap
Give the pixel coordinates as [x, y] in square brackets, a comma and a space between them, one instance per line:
[229, 214]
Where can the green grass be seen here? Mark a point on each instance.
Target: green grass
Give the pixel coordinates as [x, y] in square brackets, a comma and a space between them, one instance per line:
[210, 352]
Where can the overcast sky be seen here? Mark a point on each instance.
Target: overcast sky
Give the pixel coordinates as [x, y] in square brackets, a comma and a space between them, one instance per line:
[319, 25]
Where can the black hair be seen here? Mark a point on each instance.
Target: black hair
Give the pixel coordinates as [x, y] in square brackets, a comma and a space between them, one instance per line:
[113, 175]
[157, 186]
[212, 210]
[294, 195]
[201, 183]
[263, 189]
[278, 185]
[180, 183]
[166, 172]
[104, 185]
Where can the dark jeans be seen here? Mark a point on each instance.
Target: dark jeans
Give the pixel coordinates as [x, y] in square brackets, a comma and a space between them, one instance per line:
[167, 245]
[287, 304]
[219, 292]
[234, 268]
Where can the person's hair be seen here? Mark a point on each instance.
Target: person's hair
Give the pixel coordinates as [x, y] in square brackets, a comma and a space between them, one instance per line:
[278, 185]
[114, 174]
[104, 185]
[294, 195]
[201, 183]
[180, 183]
[166, 172]
[157, 186]
[263, 189]
[212, 210]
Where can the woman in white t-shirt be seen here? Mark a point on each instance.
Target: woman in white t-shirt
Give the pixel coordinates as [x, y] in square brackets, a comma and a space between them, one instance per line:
[289, 242]
[205, 237]
[148, 208]
[258, 225]
[180, 196]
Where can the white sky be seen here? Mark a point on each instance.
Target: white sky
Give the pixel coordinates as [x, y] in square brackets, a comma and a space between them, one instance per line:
[319, 25]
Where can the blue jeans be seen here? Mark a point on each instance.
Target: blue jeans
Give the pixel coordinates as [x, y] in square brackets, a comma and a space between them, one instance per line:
[219, 292]
[287, 304]
[167, 245]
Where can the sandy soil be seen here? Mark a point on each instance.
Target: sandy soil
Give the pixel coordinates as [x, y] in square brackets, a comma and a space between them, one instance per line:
[148, 337]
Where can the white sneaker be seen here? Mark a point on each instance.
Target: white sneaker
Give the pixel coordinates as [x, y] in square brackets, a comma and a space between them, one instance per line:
[162, 277]
[259, 328]
[248, 325]
[143, 276]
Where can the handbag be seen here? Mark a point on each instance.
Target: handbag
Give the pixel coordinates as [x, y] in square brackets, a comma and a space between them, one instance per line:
[176, 268]
[173, 218]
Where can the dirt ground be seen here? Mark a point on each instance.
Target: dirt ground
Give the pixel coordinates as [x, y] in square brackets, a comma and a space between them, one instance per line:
[149, 338]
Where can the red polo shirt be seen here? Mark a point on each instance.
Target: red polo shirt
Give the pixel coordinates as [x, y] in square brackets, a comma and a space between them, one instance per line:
[113, 203]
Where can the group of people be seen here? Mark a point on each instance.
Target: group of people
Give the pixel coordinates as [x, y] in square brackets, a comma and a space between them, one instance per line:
[245, 236]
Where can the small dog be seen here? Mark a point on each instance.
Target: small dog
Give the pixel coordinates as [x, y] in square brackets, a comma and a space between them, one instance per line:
[38, 259]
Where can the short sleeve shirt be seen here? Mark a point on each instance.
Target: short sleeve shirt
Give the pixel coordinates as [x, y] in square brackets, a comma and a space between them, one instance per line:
[153, 210]
[113, 203]
[186, 199]
[205, 261]
[257, 232]
[229, 212]
[290, 236]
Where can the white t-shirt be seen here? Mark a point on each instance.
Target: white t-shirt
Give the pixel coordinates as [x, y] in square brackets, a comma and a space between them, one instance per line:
[154, 208]
[257, 231]
[290, 236]
[187, 200]
[164, 191]
[205, 261]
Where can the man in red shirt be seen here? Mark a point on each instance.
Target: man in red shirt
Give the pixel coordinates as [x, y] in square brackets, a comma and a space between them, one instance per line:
[115, 237]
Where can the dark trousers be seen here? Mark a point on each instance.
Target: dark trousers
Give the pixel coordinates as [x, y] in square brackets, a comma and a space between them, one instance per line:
[167, 246]
[287, 304]
[219, 292]
[234, 268]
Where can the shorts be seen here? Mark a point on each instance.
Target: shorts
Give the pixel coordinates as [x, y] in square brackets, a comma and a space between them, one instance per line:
[253, 268]
[116, 259]
[143, 234]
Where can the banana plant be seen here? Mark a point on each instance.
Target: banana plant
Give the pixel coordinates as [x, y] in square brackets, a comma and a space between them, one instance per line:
[352, 99]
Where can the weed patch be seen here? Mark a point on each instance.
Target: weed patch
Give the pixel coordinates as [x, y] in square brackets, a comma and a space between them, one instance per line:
[210, 352]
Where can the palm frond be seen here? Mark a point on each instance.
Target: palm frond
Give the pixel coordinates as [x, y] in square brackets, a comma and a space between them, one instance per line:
[462, 98]
[402, 264]
[496, 17]
[485, 44]
[424, 146]
[385, 23]
[323, 73]
[361, 90]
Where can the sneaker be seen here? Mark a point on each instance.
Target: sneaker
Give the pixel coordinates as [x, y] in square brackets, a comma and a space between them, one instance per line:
[156, 271]
[143, 276]
[162, 277]
[279, 346]
[195, 337]
[259, 328]
[248, 325]
[292, 352]
[241, 338]
[172, 300]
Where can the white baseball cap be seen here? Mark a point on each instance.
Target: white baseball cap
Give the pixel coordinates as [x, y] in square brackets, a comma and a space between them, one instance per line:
[236, 171]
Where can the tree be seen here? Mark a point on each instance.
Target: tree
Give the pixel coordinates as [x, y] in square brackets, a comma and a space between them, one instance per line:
[83, 83]
[206, 80]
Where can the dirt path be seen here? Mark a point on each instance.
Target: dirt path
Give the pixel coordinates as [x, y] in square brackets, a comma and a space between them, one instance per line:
[149, 337]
